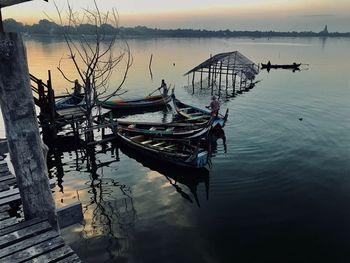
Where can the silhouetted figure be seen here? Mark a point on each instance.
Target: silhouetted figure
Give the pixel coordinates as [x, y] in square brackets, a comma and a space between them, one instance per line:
[269, 64]
[214, 106]
[77, 88]
[164, 87]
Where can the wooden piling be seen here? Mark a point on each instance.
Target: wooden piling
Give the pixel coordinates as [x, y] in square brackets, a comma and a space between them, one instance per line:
[22, 131]
[193, 81]
[209, 72]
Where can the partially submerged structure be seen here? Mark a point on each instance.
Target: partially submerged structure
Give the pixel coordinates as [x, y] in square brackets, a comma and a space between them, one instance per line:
[230, 68]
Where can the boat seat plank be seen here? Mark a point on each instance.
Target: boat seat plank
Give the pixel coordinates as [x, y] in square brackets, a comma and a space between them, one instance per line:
[146, 142]
[158, 144]
[170, 146]
[185, 109]
[195, 114]
[136, 137]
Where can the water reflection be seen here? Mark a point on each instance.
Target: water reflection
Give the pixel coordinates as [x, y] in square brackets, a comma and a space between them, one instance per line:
[214, 136]
[176, 176]
[108, 207]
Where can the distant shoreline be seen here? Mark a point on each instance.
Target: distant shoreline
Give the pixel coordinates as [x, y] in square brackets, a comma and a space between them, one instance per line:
[45, 27]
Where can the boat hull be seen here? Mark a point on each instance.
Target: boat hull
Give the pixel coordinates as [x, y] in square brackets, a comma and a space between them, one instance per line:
[195, 159]
[191, 113]
[137, 104]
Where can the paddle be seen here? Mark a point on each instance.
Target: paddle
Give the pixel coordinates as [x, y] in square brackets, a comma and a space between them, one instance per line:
[154, 91]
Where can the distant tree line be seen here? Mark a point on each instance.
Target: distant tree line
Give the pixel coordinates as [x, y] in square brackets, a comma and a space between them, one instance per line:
[47, 27]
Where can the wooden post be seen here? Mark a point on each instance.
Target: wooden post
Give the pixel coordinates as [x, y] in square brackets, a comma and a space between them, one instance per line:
[1, 25]
[193, 81]
[220, 76]
[209, 71]
[201, 77]
[234, 83]
[22, 130]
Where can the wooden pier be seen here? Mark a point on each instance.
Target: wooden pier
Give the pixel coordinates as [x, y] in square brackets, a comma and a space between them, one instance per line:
[26, 240]
[51, 120]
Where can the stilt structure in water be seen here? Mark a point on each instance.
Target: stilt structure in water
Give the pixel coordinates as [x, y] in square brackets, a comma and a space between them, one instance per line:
[228, 71]
[51, 119]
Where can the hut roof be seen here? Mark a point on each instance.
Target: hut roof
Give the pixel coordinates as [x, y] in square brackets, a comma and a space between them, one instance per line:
[234, 61]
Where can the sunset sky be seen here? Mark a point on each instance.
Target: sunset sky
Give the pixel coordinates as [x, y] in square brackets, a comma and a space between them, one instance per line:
[279, 15]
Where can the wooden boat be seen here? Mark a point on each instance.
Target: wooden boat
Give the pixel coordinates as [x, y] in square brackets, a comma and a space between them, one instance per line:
[172, 151]
[139, 104]
[191, 113]
[70, 101]
[283, 66]
[176, 130]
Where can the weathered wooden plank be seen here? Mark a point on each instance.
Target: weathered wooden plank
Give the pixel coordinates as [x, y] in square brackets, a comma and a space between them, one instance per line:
[8, 222]
[4, 208]
[35, 251]
[9, 182]
[4, 215]
[73, 258]
[22, 131]
[23, 233]
[4, 171]
[6, 177]
[20, 225]
[70, 214]
[9, 193]
[53, 255]
[10, 199]
[4, 187]
[26, 243]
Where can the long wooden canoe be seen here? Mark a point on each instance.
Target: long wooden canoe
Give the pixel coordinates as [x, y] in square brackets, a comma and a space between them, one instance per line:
[283, 66]
[172, 151]
[70, 101]
[175, 130]
[136, 104]
[191, 113]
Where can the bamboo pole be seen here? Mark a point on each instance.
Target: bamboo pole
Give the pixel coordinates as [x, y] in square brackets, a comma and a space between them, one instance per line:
[22, 130]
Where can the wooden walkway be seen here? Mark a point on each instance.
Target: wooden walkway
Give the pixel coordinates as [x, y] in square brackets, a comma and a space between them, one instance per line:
[30, 240]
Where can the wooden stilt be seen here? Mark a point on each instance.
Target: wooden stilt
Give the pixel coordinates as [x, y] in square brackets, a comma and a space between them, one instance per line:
[22, 131]
[193, 81]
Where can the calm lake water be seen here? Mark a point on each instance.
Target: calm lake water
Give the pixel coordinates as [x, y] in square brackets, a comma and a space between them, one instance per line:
[278, 191]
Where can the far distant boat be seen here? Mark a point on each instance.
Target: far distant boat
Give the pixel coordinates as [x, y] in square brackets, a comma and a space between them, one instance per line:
[283, 66]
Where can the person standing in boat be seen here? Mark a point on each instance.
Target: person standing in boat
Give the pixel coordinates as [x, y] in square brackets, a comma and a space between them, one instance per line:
[164, 87]
[214, 106]
[77, 88]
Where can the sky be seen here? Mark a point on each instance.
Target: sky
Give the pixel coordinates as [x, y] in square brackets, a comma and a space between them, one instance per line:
[277, 15]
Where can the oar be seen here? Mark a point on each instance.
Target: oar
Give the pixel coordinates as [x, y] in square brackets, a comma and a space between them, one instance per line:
[154, 91]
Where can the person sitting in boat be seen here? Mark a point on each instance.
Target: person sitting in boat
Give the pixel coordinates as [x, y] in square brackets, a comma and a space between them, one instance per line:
[164, 87]
[214, 106]
[269, 64]
[77, 88]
